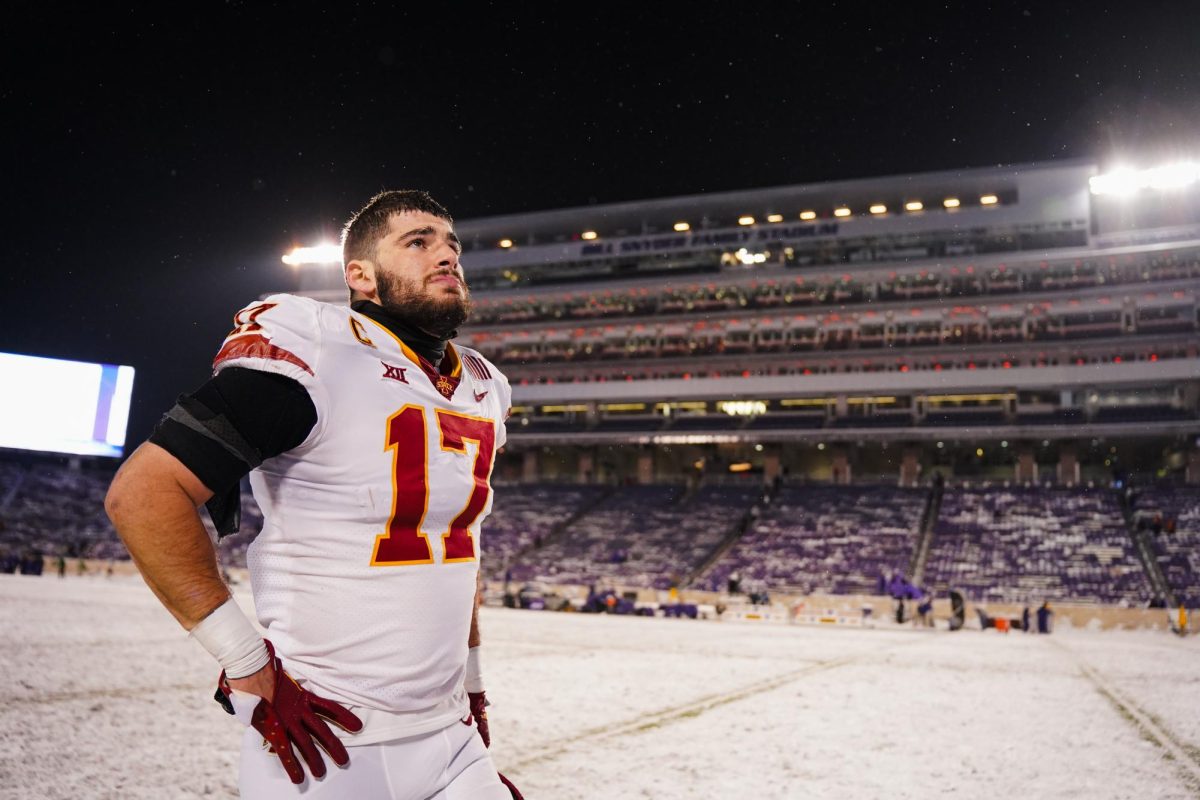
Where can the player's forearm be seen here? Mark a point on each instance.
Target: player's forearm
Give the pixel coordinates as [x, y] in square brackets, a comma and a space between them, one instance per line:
[159, 524]
[473, 639]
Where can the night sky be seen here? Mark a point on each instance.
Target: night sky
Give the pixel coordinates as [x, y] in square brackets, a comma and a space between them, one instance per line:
[160, 159]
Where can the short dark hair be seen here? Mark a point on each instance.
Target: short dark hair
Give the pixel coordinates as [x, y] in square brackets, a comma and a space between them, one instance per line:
[371, 222]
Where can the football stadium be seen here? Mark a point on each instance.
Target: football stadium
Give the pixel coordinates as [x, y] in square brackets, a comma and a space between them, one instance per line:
[915, 458]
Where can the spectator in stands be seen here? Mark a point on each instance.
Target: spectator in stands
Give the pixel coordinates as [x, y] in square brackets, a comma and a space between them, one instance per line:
[925, 612]
[1044, 615]
[735, 582]
[31, 563]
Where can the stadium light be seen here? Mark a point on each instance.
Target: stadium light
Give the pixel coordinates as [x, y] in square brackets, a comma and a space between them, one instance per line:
[841, 212]
[951, 202]
[878, 208]
[588, 235]
[320, 254]
[682, 226]
[989, 200]
[746, 257]
[747, 220]
[807, 215]
[775, 218]
[914, 205]
[505, 243]
[1127, 181]
[742, 408]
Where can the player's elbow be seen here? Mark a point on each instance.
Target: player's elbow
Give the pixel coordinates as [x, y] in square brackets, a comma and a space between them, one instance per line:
[135, 479]
[118, 499]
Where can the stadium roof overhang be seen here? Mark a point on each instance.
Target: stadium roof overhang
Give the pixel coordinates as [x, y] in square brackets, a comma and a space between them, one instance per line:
[1156, 373]
[914, 434]
[1041, 193]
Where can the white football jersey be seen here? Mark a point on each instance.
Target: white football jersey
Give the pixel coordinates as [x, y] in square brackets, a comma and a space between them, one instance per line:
[364, 572]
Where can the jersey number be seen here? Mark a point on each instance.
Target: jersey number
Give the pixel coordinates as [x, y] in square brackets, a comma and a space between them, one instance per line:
[404, 543]
[246, 320]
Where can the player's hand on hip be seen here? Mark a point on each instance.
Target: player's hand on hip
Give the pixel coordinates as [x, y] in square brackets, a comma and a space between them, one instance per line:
[479, 704]
[261, 683]
[286, 714]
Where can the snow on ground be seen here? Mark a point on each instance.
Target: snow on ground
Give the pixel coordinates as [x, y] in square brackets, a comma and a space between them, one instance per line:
[103, 696]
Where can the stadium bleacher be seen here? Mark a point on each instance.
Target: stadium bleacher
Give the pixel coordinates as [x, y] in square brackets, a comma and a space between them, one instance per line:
[1172, 515]
[1021, 544]
[828, 539]
[649, 536]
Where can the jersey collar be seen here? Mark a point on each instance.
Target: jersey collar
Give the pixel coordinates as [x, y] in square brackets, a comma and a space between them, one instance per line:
[445, 377]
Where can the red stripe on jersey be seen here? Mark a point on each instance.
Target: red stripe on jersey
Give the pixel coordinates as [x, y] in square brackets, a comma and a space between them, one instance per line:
[478, 368]
[257, 346]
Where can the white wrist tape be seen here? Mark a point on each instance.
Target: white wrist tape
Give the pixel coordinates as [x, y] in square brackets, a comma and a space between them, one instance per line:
[232, 640]
[473, 681]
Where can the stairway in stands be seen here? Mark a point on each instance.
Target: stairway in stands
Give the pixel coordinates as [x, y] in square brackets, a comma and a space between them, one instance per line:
[925, 530]
[736, 531]
[1146, 553]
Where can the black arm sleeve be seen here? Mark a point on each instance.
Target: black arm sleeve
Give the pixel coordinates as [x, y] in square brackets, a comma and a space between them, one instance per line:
[230, 425]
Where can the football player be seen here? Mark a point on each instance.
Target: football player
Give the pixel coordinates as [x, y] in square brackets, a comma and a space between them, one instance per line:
[369, 440]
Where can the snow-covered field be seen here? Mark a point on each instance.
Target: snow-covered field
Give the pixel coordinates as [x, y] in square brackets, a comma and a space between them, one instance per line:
[102, 696]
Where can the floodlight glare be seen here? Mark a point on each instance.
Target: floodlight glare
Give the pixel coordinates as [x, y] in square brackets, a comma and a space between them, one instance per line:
[747, 220]
[1126, 181]
[589, 235]
[682, 226]
[914, 205]
[879, 208]
[989, 200]
[841, 212]
[320, 254]
[506, 243]
[775, 218]
[1173, 176]
[806, 215]
[950, 202]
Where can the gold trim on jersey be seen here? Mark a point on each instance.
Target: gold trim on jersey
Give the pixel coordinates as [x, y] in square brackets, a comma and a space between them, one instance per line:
[395, 448]
[487, 481]
[410, 354]
[360, 332]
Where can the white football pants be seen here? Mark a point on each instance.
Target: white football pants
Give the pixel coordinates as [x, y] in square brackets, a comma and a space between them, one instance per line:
[450, 764]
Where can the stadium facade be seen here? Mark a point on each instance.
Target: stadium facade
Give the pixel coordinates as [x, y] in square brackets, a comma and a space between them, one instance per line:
[999, 323]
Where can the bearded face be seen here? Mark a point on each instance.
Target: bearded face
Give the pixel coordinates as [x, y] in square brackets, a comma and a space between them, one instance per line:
[437, 304]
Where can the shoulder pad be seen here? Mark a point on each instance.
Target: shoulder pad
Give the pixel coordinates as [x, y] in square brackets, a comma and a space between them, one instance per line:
[280, 334]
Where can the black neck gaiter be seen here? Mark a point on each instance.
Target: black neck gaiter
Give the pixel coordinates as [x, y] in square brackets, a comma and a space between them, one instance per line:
[426, 345]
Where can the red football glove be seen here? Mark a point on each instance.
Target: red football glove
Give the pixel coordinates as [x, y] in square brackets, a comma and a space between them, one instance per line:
[479, 712]
[479, 704]
[514, 791]
[295, 717]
